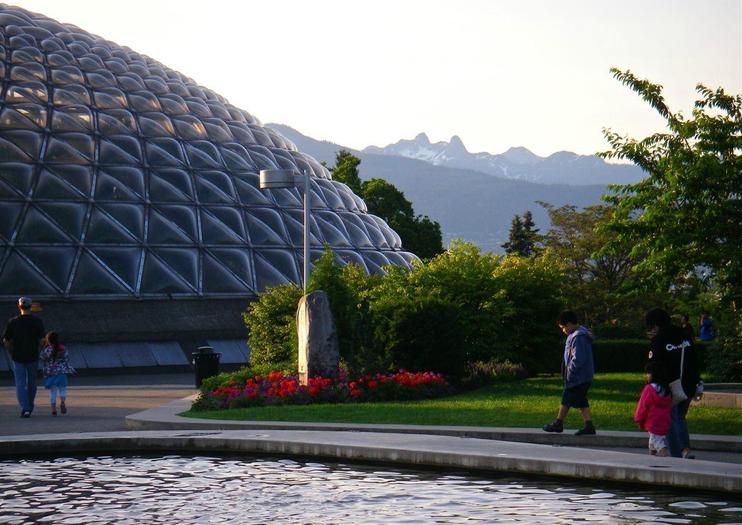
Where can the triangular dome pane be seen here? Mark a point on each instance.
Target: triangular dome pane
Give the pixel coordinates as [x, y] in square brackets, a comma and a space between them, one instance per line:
[104, 229]
[17, 176]
[18, 277]
[93, 279]
[238, 261]
[49, 186]
[220, 279]
[53, 261]
[274, 267]
[9, 215]
[122, 261]
[158, 279]
[169, 229]
[170, 185]
[214, 231]
[38, 228]
[182, 261]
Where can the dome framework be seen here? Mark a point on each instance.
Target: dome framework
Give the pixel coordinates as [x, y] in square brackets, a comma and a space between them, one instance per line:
[121, 178]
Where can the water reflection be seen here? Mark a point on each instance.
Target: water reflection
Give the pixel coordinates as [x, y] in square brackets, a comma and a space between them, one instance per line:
[196, 490]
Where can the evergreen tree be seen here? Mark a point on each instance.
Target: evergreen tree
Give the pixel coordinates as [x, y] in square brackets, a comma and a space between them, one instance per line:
[533, 239]
[516, 238]
[346, 171]
[523, 236]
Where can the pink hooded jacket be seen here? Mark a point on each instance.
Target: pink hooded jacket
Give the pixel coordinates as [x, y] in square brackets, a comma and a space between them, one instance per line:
[653, 411]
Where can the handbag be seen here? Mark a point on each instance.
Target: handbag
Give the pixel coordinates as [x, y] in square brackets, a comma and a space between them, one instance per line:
[676, 387]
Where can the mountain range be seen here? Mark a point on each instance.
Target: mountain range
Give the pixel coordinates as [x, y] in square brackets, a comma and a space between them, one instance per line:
[476, 205]
[563, 167]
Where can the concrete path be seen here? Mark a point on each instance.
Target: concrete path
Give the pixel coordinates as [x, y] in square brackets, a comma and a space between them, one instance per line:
[403, 449]
[726, 449]
[92, 408]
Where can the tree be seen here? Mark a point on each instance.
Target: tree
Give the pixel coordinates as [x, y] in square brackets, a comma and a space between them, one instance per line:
[419, 234]
[346, 170]
[523, 236]
[384, 199]
[600, 287]
[686, 214]
[425, 240]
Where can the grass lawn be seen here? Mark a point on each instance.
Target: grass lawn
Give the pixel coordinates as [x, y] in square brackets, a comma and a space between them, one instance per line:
[528, 403]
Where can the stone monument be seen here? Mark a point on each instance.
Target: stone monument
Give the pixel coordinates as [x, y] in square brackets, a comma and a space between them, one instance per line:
[319, 354]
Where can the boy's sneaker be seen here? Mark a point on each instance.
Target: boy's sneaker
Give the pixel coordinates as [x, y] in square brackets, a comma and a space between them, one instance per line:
[554, 426]
[63, 408]
[26, 413]
[587, 430]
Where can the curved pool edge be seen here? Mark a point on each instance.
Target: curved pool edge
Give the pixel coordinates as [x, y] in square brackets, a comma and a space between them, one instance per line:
[403, 449]
[165, 417]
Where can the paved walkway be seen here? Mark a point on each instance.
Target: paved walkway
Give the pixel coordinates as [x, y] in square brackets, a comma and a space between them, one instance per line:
[95, 404]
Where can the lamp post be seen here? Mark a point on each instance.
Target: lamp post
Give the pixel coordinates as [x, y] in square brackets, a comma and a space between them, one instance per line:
[271, 179]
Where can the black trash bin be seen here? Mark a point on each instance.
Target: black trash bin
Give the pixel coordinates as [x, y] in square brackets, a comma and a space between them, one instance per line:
[205, 363]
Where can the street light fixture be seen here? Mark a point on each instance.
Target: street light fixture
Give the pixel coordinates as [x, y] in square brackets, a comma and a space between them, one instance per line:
[273, 179]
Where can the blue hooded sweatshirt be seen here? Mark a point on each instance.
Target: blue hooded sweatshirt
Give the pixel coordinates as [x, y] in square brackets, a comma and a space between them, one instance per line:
[577, 366]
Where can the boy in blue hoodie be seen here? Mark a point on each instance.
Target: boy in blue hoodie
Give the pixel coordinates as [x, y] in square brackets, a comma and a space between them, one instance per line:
[577, 371]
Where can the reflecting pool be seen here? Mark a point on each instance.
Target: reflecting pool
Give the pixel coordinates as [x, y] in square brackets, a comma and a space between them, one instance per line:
[195, 490]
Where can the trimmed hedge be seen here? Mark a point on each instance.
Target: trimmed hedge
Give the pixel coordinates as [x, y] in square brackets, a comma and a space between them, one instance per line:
[630, 355]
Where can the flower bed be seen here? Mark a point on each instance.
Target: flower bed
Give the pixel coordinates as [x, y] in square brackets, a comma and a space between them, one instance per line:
[277, 388]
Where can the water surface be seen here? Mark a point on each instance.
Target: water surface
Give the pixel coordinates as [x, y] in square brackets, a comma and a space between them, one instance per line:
[197, 490]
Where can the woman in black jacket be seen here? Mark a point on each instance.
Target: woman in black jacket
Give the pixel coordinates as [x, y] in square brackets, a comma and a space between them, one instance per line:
[671, 346]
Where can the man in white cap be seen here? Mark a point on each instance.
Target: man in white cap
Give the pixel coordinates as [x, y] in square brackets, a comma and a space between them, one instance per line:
[22, 337]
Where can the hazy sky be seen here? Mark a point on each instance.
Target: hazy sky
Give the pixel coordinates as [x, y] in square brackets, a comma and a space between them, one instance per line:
[496, 73]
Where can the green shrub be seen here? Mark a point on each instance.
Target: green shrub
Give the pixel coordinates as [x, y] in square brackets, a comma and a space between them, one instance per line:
[271, 321]
[479, 373]
[460, 307]
[726, 365]
[440, 315]
[529, 333]
[464, 306]
[360, 355]
[346, 288]
[620, 355]
[620, 330]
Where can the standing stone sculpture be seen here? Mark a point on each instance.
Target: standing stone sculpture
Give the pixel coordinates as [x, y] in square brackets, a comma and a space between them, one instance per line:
[319, 353]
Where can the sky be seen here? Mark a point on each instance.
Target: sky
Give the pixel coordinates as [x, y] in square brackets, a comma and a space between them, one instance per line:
[497, 73]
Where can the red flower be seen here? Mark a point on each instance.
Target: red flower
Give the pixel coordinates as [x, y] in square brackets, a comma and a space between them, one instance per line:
[355, 392]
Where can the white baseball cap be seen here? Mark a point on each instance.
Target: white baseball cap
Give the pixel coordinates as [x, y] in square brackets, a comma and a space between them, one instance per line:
[24, 302]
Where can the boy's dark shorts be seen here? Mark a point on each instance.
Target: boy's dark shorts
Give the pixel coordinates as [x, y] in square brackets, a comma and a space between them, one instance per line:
[576, 396]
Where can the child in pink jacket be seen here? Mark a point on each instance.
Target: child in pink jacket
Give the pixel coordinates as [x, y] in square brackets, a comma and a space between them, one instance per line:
[653, 411]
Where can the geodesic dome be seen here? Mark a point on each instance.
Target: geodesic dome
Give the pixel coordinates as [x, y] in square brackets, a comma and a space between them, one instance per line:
[120, 177]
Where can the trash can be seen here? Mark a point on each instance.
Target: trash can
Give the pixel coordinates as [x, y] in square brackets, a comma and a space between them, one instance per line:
[205, 363]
